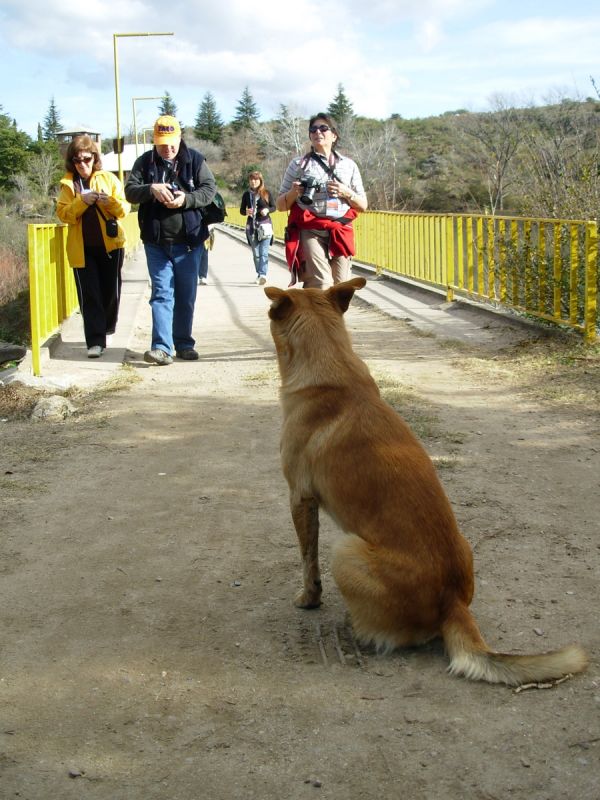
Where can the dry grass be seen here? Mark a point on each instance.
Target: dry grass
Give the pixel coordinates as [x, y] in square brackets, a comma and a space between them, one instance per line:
[565, 372]
[266, 377]
[417, 412]
[17, 399]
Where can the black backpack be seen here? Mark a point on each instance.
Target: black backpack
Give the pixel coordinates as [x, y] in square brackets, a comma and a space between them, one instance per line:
[215, 211]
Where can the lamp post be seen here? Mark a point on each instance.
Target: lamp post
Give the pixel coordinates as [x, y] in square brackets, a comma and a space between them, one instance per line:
[133, 99]
[115, 37]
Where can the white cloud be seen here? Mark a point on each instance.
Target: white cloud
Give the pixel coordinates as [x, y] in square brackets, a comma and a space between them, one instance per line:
[413, 57]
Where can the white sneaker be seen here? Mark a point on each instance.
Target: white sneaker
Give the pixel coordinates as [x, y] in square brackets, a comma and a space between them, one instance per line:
[202, 282]
[262, 280]
[95, 351]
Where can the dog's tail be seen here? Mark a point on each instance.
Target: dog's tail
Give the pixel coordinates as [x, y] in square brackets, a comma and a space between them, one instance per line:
[472, 658]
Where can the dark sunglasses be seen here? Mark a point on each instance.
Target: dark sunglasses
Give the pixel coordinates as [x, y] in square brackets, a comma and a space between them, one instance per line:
[322, 128]
[84, 160]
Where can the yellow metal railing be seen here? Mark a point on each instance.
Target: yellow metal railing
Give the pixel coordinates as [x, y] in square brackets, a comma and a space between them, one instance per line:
[52, 293]
[546, 268]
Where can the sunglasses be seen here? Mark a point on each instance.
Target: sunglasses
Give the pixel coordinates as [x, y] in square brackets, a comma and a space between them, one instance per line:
[322, 128]
[83, 160]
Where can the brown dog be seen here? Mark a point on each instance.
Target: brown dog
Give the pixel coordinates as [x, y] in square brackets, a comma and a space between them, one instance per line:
[405, 570]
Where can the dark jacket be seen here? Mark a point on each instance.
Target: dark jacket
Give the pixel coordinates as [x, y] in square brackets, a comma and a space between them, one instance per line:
[191, 174]
[257, 217]
[260, 204]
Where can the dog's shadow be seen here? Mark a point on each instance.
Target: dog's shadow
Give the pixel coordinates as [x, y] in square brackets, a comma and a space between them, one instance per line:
[326, 637]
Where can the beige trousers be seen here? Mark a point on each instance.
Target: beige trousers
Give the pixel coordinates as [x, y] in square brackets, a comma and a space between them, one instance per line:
[318, 270]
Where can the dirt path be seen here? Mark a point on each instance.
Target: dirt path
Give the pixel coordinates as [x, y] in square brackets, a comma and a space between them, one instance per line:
[149, 645]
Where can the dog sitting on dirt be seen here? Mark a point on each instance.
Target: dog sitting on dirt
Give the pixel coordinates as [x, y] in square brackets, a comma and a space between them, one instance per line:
[404, 569]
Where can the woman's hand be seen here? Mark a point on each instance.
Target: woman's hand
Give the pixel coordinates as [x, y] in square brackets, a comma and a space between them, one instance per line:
[103, 199]
[286, 200]
[89, 198]
[337, 189]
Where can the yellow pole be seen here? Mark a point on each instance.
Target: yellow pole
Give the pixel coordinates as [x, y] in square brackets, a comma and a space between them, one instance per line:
[591, 282]
[117, 102]
[116, 62]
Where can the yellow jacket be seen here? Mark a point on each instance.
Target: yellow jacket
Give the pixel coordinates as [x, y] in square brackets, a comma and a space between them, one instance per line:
[70, 208]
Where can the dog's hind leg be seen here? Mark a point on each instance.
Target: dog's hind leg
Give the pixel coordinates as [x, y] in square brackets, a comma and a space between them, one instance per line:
[385, 594]
[305, 514]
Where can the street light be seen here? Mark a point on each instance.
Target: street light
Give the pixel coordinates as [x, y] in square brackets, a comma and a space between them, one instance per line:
[115, 37]
[133, 99]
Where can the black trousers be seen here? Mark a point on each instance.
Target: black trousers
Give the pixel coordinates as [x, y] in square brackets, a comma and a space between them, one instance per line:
[99, 293]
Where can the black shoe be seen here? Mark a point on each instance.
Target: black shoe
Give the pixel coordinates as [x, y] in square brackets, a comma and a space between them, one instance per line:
[189, 354]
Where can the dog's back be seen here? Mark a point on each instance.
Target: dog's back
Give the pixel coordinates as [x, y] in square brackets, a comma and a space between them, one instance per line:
[405, 570]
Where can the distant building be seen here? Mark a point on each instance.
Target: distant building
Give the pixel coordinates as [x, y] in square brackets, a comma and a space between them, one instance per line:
[110, 161]
[65, 137]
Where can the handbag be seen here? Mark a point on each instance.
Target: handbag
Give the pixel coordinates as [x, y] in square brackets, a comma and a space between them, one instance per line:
[263, 232]
[112, 227]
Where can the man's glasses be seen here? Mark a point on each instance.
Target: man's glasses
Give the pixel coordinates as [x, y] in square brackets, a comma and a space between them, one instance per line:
[83, 160]
[322, 128]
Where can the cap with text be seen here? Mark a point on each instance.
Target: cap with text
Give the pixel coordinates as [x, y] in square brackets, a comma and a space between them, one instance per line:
[166, 130]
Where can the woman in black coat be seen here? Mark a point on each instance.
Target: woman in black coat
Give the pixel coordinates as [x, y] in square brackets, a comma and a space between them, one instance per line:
[257, 204]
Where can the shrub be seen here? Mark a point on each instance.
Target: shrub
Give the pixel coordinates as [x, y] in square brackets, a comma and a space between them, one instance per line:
[14, 273]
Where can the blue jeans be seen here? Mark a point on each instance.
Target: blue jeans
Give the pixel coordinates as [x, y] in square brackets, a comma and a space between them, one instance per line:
[173, 271]
[260, 253]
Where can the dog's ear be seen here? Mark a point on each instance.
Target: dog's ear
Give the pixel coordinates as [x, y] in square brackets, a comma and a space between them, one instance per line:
[281, 302]
[341, 294]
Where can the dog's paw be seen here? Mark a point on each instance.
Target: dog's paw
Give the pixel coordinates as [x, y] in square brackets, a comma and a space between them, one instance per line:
[306, 599]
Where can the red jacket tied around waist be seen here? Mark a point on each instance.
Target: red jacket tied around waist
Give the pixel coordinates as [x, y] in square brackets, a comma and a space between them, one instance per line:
[341, 236]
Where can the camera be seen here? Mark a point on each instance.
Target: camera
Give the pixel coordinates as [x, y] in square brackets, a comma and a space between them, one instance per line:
[310, 186]
[112, 228]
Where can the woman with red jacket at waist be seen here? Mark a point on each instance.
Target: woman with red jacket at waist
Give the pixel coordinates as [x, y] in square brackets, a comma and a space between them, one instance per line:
[323, 192]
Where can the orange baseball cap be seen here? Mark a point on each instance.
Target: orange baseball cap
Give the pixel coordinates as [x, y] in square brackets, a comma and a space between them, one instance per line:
[166, 130]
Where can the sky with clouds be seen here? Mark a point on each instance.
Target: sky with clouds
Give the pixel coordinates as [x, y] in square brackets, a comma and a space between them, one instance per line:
[415, 58]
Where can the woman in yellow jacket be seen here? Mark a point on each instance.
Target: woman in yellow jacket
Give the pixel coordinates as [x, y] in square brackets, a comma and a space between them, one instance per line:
[91, 201]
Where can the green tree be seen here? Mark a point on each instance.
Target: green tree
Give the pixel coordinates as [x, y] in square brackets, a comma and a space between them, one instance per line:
[208, 125]
[246, 111]
[52, 124]
[167, 106]
[14, 150]
[340, 107]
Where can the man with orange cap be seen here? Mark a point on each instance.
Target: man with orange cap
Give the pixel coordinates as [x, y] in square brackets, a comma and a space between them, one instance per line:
[171, 184]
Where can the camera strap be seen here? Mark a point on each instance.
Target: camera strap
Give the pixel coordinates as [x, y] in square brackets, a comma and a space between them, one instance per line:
[330, 171]
[104, 217]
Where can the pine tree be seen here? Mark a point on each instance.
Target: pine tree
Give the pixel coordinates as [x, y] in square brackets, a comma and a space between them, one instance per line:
[208, 125]
[167, 106]
[52, 124]
[340, 107]
[40, 135]
[246, 111]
